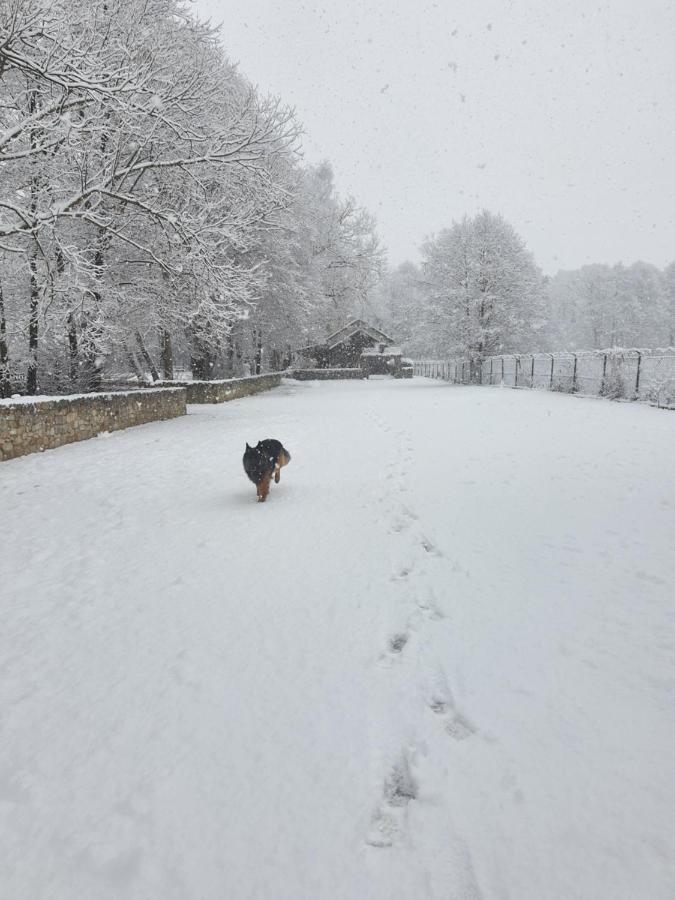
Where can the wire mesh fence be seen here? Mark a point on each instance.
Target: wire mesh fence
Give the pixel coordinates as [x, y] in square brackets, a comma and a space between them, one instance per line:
[617, 374]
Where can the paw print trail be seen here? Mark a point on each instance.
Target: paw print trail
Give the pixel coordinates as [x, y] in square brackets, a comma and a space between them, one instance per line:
[412, 682]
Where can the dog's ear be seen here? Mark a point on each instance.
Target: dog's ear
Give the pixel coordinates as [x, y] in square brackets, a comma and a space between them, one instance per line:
[247, 446]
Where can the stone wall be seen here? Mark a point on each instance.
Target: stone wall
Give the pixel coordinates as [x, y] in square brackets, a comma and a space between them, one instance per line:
[326, 374]
[229, 389]
[30, 424]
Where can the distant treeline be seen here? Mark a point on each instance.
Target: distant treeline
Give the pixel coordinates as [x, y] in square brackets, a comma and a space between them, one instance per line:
[478, 292]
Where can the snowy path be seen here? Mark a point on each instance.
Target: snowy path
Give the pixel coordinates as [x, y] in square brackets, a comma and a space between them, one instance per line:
[437, 663]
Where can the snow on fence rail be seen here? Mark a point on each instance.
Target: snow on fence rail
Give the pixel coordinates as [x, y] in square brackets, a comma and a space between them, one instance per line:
[616, 373]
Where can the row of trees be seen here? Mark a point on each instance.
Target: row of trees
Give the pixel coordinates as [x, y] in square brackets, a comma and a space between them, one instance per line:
[612, 306]
[154, 208]
[156, 214]
[478, 292]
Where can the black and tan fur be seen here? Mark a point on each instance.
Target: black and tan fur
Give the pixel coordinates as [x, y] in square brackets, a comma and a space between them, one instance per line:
[262, 462]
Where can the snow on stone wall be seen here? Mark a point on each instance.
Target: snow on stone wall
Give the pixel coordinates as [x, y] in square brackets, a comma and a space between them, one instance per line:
[229, 389]
[326, 374]
[31, 424]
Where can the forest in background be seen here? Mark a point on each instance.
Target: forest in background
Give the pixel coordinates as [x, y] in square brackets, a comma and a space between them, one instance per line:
[157, 217]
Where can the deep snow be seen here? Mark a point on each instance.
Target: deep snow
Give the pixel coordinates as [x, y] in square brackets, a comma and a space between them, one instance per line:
[438, 662]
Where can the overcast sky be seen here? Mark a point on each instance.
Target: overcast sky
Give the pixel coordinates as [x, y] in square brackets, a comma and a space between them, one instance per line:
[559, 115]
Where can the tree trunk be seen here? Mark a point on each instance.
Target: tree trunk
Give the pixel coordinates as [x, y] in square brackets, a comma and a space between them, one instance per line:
[5, 382]
[146, 356]
[33, 330]
[229, 354]
[167, 354]
[132, 360]
[257, 337]
[73, 361]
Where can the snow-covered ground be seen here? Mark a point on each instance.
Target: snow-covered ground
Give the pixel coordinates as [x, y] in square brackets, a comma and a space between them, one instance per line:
[437, 663]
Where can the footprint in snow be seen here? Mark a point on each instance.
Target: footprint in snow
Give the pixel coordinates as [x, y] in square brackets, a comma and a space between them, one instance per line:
[400, 787]
[429, 547]
[389, 818]
[402, 573]
[457, 725]
[429, 605]
[394, 649]
[398, 525]
[398, 641]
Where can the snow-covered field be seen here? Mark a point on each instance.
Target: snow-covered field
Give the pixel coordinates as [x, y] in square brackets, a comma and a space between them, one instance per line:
[437, 663]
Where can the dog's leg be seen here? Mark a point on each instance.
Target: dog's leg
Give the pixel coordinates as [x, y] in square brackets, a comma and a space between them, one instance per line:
[277, 473]
[264, 487]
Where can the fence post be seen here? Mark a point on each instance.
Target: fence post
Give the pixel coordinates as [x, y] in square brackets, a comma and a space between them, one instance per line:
[515, 377]
[502, 370]
[550, 384]
[574, 374]
[532, 372]
[637, 377]
[491, 362]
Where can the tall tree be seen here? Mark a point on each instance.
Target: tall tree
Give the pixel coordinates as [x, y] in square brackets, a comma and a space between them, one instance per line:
[484, 288]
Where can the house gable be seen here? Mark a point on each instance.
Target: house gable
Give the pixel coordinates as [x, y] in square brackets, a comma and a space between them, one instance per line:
[348, 331]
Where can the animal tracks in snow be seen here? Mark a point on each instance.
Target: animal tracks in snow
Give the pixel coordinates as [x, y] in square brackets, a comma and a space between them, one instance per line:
[388, 820]
[420, 569]
[398, 641]
[428, 604]
[459, 727]
[429, 547]
[442, 704]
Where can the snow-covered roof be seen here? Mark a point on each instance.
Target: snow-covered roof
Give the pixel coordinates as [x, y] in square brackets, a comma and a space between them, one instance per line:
[352, 328]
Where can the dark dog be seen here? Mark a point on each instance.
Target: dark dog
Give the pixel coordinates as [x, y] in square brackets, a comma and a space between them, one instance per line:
[263, 461]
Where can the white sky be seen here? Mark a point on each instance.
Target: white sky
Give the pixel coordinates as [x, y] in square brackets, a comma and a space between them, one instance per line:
[559, 115]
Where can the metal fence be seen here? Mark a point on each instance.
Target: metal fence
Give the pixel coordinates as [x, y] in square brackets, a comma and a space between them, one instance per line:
[628, 374]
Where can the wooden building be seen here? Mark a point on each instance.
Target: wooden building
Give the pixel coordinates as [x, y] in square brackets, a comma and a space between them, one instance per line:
[343, 349]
